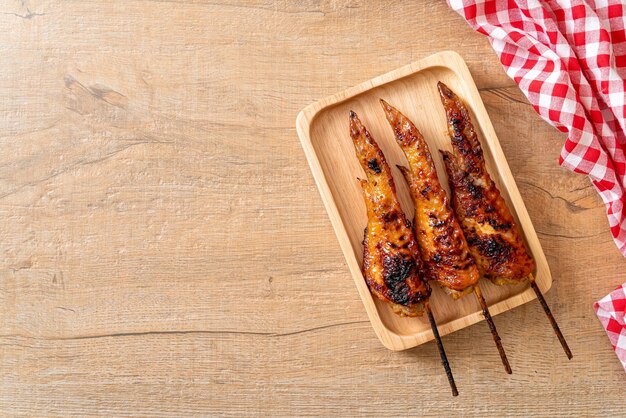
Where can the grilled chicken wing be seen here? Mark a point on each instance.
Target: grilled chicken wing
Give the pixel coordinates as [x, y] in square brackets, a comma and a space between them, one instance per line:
[490, 230]
[441, 243]
[391, 263]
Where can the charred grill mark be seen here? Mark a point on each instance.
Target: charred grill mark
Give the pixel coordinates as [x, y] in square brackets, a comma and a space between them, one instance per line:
[475, 191]
[436, 223]
[402, 136]
[471, 208]
[443, 261]
[373, 165]
[399, 293]
[396, 270]
[457, 131]
[442, 240]
[462, 145]
[464, 139]
[499, 226]
[390, 217]
[492, 247]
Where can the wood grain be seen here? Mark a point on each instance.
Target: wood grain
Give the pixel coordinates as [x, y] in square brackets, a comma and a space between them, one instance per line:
[322, 128]
[165, 249]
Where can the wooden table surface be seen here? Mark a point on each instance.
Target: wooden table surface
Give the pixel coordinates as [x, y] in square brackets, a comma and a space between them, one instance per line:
[165, 249]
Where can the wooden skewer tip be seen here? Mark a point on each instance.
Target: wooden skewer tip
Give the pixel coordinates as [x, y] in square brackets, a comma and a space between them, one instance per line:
[492, 328]
[442, 352]
[553, 322]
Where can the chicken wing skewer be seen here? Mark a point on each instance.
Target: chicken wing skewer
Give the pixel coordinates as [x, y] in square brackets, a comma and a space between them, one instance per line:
[391, 262]
[490, 230]
[444, 251]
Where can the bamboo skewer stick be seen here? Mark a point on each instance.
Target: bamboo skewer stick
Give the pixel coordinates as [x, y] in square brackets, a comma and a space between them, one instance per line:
[442, 352]
[546, 309]
[492, 327]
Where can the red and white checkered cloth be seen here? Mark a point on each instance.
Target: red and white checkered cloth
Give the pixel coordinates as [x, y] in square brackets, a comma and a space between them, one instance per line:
[569, 59]
[610, 311]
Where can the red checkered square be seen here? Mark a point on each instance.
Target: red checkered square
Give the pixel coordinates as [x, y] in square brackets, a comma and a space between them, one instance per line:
[615, 10]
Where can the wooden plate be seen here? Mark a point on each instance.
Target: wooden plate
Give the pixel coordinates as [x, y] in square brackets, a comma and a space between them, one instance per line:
[323, 131]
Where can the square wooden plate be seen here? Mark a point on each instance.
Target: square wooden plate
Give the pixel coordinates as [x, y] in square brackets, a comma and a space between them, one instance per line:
[323, 131]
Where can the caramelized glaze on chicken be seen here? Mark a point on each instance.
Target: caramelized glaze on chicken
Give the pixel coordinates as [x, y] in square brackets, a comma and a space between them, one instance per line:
[391, 262]
[490, 230]
[442, 246]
